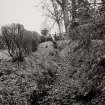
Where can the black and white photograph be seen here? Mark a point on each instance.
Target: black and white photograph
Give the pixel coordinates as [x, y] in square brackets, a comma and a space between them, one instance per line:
[52, 52]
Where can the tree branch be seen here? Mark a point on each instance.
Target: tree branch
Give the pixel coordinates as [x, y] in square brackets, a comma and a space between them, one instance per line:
[59, 2]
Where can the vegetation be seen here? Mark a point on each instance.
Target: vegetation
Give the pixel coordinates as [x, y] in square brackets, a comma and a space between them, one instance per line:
[69, 70]
[2, 43]
[13, 37]
[19, 41]
[44, 32]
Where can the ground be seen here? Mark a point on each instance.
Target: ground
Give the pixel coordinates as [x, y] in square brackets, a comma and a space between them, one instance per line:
[69, 77]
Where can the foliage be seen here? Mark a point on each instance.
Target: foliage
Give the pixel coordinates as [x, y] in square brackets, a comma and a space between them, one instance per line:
[20, 42]
[44, 82]
[44, 39]
[35, 41]
[2, 43]
[102, 7]
[31, 41]
[29, 83]
[75, 78]
[72, 74]
[80, 76]
[44, 32]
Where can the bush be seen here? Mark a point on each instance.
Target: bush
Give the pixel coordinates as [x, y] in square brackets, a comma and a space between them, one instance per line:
[44, 32]
[19, 41]
[45, 38]
[35, 41]
[30, 41]
[94, 28]
[13, 37]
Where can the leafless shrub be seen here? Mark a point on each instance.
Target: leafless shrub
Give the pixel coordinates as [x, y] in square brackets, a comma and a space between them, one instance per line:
[13, 37]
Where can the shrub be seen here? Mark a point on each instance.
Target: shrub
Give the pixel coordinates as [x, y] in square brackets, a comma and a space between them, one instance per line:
[44, 32]
[35, 41]
[45, 38]
[13, 37]
[30, 41]
[20, 42]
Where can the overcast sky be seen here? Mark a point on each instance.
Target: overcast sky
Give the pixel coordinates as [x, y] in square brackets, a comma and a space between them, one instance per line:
[21, 11]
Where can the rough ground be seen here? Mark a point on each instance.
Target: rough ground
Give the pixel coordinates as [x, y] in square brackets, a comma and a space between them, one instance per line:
[79, 79]
[17, 82]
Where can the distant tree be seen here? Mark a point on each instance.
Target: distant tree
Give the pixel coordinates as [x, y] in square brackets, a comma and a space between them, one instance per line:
[44, 32]
[31, 41]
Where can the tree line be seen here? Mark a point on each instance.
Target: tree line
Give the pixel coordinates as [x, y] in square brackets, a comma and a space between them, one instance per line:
[69, 13]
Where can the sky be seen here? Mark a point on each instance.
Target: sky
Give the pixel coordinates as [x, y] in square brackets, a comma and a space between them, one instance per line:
[23, 12]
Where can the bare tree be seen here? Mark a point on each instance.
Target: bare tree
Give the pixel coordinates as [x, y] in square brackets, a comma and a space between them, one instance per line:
[54, 12]
[64, 4]
[57, 14]
[13, 37]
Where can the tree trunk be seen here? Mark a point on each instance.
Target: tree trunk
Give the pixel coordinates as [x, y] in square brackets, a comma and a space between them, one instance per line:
[66, 19]
[64, 6]
[59, 27]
